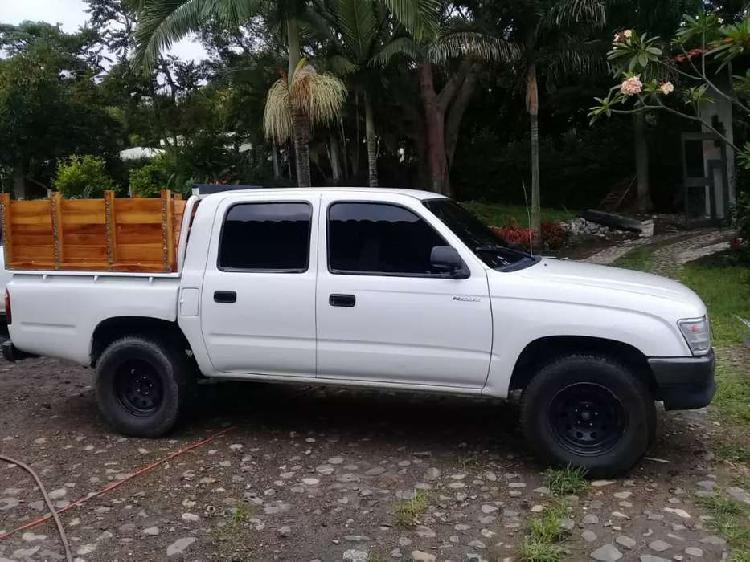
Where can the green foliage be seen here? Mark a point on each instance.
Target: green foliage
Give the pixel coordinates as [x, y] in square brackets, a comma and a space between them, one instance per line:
[730, 519]
[82, 176]
[565, 481]
[637, 259]
[407, 513]
[725, 288]
[49, 104]
[148, 180]
[732, 396]
[499, 215]
[542, 543]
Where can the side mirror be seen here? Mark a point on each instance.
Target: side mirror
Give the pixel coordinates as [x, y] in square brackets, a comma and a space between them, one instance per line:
[445, 259]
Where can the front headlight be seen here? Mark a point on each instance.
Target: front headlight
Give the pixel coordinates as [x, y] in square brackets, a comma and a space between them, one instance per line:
[697, 334]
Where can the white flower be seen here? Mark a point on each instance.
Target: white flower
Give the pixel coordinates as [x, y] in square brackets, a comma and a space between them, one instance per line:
[667, 88]
[628, 33]
[632, 86]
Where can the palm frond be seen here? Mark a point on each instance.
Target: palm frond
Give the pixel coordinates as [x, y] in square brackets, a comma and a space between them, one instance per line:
[358, 24]
[320, 96]
[574, 58]
[419, 17]
[473, 44]
[277, 116]
[572, 12]
[162, 22]
[342, 65]
[399, 46]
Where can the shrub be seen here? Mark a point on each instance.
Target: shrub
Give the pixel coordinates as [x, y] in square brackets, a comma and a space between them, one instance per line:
[741, 219]
[554, 235]
[82, 176]
[151, 178]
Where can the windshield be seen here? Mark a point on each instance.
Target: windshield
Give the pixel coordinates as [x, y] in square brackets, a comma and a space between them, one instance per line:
[477, 236]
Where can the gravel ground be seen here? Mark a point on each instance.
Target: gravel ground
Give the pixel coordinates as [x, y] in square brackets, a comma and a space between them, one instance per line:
[308, 473]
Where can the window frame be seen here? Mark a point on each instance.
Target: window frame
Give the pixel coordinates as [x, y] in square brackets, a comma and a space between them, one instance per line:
[297, 271]
[383, 273]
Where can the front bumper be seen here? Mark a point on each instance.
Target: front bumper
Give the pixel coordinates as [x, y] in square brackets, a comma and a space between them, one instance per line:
[684, 383]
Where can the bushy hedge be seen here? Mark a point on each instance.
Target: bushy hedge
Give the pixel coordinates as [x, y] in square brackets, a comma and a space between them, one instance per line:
[82, 176]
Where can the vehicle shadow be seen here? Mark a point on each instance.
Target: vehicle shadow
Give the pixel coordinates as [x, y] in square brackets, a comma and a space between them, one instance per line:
[413, 420]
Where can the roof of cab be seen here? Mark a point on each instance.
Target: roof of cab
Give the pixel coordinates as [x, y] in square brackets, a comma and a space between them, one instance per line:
[415, 193]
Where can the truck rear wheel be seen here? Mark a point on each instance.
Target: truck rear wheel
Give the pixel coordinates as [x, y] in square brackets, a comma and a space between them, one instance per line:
[589, 412]
[142, 386]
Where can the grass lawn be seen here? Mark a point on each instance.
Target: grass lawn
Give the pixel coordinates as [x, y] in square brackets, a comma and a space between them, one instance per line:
[725, 288]
[496, 214]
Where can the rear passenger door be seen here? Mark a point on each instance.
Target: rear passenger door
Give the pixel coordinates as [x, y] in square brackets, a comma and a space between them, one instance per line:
[384, 315]
[258, 297]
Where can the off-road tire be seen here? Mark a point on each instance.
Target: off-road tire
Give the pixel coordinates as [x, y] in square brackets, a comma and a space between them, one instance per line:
[546, 412]
[169, 370]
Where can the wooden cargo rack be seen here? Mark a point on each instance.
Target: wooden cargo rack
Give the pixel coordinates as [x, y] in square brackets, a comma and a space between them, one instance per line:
[110, 234]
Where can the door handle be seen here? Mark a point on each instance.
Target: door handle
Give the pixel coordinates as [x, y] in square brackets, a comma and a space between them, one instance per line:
[343, 301]
[225, 297]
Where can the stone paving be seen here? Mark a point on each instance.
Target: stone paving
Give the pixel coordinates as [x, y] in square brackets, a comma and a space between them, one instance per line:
[324, 474]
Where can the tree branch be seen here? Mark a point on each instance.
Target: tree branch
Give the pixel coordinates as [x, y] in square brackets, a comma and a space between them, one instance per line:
[449, 91]
[662, 107]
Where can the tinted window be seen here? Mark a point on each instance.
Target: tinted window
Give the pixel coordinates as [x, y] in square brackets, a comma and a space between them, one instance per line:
[266, 236]
[480, 239]
[377, 238]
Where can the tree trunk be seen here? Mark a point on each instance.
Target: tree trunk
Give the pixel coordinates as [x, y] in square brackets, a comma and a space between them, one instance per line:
[435, 131]
[357, 138]
[275, 155]
[532, 102]
[372, 142]
[302, 148]
[293, 45]
[456, 113]
[334, 156]
[19, 181]
[641, 162]
[300, 122]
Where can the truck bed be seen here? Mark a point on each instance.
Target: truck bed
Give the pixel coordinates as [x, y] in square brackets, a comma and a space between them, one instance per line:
[55, 313]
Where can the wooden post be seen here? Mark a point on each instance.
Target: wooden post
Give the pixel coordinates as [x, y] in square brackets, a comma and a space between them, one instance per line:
[57, 229]
[167, 215]
[110, 226]
[5, 224]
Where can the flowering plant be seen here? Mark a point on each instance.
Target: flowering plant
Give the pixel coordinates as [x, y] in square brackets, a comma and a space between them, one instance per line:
[553, 235]
[649, 70]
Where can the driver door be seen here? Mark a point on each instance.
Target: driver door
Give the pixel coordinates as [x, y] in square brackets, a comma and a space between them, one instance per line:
[383, 314]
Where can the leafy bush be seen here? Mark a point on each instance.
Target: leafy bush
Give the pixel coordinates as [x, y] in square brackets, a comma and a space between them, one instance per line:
[554, 235]
[741, 218]
[82, 176]
[151, 178]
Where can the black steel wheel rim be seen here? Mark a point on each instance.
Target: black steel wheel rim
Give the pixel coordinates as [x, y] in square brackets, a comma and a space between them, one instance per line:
[587, 419]
[138, 387]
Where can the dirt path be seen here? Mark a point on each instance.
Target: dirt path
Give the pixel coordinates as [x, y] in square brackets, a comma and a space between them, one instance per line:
[322, 474]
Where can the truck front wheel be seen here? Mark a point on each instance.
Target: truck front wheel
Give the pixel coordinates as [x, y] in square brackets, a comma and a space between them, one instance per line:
[590, 412]
[141, 386]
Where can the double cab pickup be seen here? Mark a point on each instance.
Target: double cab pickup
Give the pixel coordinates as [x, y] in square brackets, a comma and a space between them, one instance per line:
[379, 288]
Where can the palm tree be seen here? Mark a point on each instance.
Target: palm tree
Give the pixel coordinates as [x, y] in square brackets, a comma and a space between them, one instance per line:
[291, 111]
[360, 30]
[162, 22]
[550, 35]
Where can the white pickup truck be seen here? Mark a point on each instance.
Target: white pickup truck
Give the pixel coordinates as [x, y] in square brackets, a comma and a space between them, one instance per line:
[389, 289]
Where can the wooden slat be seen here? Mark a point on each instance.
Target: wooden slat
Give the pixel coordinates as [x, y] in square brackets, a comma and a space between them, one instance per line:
[7, 231]
[57, 228]
[170, 263]
[111, 226]
[134, 235]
